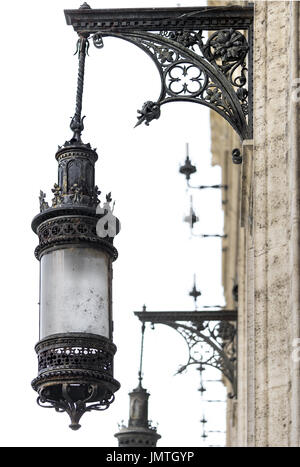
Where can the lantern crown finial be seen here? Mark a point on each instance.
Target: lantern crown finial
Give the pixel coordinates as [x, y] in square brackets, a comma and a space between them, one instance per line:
[85, 6]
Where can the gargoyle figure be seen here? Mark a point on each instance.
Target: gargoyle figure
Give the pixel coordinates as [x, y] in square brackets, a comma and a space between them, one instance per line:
[149, 112]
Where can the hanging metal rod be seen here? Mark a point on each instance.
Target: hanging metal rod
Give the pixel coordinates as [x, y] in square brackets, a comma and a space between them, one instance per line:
[141, 354]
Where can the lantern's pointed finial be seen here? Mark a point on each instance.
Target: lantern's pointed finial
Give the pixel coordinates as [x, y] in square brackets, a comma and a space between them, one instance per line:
[84, 6]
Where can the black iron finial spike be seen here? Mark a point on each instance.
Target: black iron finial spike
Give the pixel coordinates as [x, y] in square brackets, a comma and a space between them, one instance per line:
[195, 293]
[141, 355]
[84, 6]
[77, 121]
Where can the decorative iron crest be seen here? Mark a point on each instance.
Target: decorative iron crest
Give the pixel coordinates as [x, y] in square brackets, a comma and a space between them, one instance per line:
[58, 198]
[75, 351]
[69, 229]
[43, 203]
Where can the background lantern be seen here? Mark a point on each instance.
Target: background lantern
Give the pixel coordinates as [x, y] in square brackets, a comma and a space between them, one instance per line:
[140, 432]
[75, 350]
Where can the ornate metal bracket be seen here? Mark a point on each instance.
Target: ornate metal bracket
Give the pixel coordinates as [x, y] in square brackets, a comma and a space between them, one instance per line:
[216, 328]
[203, 55]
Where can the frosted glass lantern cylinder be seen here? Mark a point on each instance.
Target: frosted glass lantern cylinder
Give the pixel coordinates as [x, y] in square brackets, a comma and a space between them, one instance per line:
[75, 292]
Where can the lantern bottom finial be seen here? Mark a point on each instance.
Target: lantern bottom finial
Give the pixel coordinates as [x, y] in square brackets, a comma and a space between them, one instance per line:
[75, 374]
[74, 407]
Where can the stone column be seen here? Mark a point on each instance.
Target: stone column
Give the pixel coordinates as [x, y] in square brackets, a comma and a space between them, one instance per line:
[268, 405]
[271, 247]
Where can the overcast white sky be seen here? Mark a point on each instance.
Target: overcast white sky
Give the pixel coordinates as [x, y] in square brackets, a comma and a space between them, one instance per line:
[157, 256]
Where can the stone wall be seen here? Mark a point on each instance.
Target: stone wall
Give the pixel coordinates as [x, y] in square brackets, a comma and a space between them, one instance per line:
[262, 249]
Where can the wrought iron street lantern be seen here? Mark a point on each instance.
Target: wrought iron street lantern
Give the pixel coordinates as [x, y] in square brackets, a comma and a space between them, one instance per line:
[75, 351]
[76, 252]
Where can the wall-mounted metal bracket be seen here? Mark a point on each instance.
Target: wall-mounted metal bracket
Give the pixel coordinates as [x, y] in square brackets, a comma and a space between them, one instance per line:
[203, 55]
[216, 328]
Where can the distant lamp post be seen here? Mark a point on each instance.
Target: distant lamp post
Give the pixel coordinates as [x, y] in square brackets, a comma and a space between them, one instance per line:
[192, 218]
[187, 169]
[139, 432]
[194, 292]
[75, 350]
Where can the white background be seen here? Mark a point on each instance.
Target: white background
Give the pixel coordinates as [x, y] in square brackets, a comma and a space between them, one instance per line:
[157, 256]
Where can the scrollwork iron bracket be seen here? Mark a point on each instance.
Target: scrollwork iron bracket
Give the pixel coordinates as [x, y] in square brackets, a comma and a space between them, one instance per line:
[203, 55]
[215, 328]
